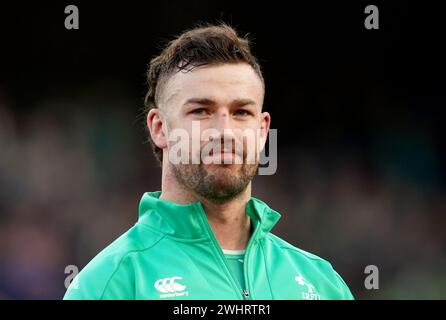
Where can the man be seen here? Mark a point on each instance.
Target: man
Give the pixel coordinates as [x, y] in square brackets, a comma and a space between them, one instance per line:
[203, 236]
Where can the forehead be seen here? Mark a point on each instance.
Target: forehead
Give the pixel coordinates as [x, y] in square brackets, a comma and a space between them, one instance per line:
[224, 81]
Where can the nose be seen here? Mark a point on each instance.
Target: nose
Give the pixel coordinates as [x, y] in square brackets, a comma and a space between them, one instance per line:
[222, 120]
[223, 124]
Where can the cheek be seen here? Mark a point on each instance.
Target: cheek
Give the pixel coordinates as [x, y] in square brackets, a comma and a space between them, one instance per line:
[249, 130]
[178, 126]
[184, 136]
[250, 138]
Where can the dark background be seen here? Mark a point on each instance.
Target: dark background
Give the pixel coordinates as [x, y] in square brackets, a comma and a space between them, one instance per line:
[359, 113]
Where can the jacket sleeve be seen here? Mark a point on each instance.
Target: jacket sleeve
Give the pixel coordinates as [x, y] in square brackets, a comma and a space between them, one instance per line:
[111, 278]
[344, 291]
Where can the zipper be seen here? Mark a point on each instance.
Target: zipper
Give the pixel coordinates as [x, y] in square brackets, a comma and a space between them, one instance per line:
[244, 292]
[248, 291]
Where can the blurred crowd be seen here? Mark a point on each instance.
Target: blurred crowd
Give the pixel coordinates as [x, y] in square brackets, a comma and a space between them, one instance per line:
[72, 172]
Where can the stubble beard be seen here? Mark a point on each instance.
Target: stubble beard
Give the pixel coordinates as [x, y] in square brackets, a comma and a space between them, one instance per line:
[218, 183]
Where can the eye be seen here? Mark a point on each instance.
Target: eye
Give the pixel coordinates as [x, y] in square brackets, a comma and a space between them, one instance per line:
[242, 112]
[199, 112]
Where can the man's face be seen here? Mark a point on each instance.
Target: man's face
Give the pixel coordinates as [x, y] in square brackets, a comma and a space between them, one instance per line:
[222, 103]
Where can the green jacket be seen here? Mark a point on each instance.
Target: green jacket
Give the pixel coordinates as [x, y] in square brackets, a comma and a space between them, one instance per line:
[172, 253]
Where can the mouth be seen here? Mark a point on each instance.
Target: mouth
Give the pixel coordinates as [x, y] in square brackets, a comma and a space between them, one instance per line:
[225, 156]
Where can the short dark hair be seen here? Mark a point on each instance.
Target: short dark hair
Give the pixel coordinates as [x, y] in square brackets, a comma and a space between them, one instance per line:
[200, 46]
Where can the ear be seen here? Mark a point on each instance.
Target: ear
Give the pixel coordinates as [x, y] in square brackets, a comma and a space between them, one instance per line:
[265, 122]
[155, 123]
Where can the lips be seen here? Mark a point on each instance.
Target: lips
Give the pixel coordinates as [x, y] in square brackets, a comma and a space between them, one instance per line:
[225, 156]
[226, 151]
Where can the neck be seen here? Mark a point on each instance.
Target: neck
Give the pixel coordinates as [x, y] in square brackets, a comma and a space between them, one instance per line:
[229, 221]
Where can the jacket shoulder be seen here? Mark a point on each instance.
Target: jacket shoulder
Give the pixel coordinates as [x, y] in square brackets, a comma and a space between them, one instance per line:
[288, 246]
[110, 274]
[314, 266]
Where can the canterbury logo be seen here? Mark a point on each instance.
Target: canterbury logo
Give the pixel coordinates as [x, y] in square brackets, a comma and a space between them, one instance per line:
[168, 285]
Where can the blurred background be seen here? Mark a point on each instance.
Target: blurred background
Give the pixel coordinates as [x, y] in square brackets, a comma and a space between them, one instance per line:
[360, 119]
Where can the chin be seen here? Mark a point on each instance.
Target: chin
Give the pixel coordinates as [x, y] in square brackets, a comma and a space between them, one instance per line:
[224, 175]
[224, 172]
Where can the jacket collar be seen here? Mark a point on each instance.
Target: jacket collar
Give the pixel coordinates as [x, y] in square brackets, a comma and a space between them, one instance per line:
[188, 221]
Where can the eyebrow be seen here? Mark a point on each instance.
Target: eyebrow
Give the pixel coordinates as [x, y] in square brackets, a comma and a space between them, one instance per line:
[210, 102]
